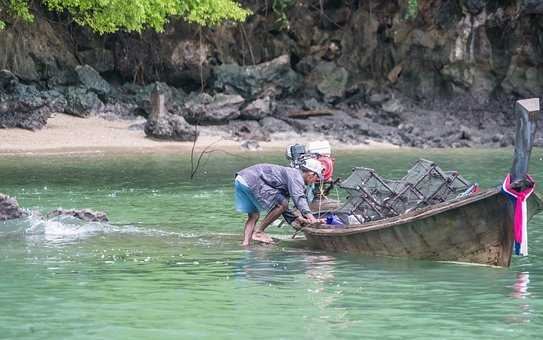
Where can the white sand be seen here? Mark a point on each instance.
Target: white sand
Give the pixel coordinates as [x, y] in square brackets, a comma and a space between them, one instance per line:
[66, 134]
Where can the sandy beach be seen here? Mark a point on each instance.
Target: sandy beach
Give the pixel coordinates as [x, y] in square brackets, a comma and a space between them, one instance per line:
[66, 134]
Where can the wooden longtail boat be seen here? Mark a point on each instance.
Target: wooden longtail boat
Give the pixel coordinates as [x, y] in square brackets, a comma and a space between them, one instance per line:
[476, 229]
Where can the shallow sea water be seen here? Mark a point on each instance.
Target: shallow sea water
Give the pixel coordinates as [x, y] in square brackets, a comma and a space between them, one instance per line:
[170, 263]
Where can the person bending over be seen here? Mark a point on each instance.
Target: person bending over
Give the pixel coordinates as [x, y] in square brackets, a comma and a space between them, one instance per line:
[267, 188]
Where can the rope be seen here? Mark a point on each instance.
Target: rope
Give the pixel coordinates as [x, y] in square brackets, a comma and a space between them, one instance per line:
[320, 196]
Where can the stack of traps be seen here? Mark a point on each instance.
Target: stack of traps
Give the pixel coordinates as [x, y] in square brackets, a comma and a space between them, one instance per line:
[371, 197]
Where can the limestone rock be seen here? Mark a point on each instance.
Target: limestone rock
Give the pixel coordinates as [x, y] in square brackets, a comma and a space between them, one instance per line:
[171, 127]
[204, 109]
[272, 78]
[37, 51]
[531, 6]
[24, 106]
[523, 80]
[92, 80]
[9, 208]
[248, 129]
[331, 80]
[257, 109]
[100, 59]
[81, 102]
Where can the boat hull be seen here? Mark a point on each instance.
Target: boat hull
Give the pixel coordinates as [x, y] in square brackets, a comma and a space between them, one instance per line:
[477, 229]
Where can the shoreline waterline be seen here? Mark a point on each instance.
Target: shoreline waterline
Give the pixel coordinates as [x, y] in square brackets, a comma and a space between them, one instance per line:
[65, 135]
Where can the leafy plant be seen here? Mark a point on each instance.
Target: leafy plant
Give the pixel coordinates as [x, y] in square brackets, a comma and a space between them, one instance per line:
[412, 9]
[105, 16]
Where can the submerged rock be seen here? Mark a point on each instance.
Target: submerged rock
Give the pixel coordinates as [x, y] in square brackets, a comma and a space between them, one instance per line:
[82, 214]
[9, 208]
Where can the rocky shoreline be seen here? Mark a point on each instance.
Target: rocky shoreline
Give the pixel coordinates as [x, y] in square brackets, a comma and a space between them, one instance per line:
[382, 117]
[447, 82]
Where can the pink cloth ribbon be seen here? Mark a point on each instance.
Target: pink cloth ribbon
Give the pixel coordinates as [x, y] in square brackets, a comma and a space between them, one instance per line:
[521, 214]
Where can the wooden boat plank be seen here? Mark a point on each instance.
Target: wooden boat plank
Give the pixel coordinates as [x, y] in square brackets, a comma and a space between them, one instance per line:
[401, 219]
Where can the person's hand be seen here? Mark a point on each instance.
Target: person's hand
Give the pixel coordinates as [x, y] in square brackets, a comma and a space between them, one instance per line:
[300, 221]
[311, 219]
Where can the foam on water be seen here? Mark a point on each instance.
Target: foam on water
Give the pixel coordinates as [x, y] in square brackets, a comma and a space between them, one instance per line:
[68, 229]
[64, 229]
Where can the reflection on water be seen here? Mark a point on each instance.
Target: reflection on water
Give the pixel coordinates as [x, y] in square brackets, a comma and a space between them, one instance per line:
[520, 291]
[520, 287]
[320, 268]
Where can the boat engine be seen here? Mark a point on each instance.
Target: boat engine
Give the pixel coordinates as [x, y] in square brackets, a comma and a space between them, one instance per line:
[319, 150]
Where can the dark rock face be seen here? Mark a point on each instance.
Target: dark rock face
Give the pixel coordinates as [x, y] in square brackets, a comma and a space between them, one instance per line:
[91, 80]
[82, 214]
[531, 6]
[466, 48]
[81, 102]
[100, 59]
[24, 106]
[273, 78]
[9, 208]
[8, 81]
[474, 6]
[171, 127]
[37, 52]
[329, 79]
[205, 109]
[257, 109]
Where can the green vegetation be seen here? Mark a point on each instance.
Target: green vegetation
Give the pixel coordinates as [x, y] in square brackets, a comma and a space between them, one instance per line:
[105, 16]
[412, 9]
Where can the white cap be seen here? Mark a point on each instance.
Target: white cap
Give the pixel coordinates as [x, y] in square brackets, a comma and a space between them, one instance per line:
[313, 165]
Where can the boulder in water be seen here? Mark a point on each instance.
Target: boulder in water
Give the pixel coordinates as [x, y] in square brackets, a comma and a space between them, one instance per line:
[82, 214]
[9, 208]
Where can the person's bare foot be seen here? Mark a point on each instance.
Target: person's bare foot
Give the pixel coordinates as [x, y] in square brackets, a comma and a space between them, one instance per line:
[262, 237]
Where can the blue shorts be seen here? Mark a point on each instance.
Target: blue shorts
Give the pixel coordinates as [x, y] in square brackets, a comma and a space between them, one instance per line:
[246, 201]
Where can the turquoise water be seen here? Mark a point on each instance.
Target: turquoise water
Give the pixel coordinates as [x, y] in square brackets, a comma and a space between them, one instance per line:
[170, 264]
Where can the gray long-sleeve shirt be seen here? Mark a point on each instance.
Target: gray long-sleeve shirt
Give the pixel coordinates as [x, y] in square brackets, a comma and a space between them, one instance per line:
[272, 183]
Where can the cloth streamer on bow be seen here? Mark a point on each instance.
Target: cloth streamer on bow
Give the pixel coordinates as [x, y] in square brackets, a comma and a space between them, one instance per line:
[521, 214]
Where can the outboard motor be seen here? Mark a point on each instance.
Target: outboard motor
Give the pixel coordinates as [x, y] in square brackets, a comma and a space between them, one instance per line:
[319, 150]
[295, 154]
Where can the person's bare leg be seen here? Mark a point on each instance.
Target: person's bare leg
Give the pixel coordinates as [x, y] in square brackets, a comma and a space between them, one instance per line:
[249, 227]
[259, 234]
